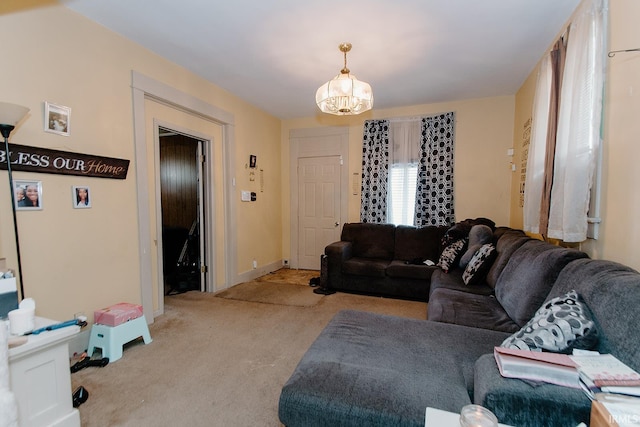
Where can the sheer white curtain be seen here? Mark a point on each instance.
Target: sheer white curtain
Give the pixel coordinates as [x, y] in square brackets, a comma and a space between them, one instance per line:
[579, 121]
[534, 180]
[404, 156]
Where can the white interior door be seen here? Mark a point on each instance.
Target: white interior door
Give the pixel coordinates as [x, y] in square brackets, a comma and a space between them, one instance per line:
[319, 198]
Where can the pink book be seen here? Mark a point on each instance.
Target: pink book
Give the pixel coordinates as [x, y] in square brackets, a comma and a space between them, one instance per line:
[552, 368]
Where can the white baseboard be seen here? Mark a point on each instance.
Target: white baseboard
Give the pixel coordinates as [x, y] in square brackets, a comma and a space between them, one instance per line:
[260, 271]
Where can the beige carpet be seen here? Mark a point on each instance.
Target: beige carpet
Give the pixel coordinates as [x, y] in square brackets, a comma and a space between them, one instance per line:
[283, 287]
[272, 293]
[214, 361]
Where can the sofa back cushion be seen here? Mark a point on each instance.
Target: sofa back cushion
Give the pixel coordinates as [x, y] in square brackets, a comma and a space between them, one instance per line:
[612, 293]
[506, 245]
[370, 240]
[528, 277]
[424, 243]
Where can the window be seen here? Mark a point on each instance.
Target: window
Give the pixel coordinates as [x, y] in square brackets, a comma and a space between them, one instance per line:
[407, 171]
[401, 201]
[404, 138]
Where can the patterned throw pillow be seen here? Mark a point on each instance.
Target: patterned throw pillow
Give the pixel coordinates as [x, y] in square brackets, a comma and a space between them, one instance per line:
[560, 325]
[451, 254]
[479, 264]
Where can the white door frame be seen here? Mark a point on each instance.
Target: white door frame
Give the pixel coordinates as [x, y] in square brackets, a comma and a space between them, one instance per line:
[145, 87]
[303, 143]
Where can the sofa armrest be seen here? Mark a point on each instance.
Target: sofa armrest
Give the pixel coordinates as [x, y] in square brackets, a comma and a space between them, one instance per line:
[527, 403]
[341, 249]
[337, 253]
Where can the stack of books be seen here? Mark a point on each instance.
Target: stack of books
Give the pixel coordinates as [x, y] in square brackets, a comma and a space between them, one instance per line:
[596, 374]
[604, 373]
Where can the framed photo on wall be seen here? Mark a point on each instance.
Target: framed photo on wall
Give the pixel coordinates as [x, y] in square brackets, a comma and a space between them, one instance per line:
[57, 119]
[28, 195]
[81, 198]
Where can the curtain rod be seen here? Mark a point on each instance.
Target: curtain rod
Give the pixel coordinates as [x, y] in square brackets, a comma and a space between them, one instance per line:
[405, 119]
[613, 52]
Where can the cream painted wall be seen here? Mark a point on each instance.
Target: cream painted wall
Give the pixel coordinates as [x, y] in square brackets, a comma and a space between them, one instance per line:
[620, 230]
[83, 260]
[484, 132]
[521, 137]
[620, 209]
[259, 222]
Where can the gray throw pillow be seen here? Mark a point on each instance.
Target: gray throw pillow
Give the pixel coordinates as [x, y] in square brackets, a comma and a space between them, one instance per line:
[560, 325]
[451, 254]
[479, 265]
[478, 236]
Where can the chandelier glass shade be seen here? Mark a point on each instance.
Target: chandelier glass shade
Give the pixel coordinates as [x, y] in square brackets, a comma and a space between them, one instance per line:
[344, 94]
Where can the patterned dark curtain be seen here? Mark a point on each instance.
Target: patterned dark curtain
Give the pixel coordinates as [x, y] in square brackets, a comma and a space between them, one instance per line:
[434, 193]
[375, 170]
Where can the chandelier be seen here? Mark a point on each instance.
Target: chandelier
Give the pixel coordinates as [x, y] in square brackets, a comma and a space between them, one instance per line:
[345, 94]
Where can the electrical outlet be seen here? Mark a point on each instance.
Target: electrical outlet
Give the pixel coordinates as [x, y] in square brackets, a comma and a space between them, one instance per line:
[255, 264]
[285, 263]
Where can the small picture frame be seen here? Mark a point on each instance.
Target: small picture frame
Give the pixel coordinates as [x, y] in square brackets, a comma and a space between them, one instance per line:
[81, 197]
[28, 195]
[57, 119]
[252, 161]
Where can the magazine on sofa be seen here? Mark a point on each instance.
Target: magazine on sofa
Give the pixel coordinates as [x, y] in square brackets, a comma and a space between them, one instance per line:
[547, 367]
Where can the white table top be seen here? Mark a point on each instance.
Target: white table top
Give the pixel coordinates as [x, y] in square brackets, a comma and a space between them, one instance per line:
[439, 418]
[44, 339]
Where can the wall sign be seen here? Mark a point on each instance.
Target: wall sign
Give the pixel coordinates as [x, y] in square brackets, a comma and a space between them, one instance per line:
[526, 140]
[42, 160]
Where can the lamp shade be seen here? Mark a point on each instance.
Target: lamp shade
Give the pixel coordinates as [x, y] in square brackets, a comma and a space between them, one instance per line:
[10, 114]
[344, 95]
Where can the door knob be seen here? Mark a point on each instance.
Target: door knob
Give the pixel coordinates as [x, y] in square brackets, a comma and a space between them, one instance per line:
[336, 224]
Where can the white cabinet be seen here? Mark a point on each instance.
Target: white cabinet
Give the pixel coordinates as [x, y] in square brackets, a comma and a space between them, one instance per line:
[41, 380]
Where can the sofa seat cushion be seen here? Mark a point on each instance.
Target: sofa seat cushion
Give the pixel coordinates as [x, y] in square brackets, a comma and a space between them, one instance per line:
[368, 369]
[464, 308]
[401, 269]
[529, 275]
[527, 404]
[365, 266]
[453, 280]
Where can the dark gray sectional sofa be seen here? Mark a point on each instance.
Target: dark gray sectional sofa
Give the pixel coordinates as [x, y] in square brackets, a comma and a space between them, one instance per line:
[375, 370]
[384, 259]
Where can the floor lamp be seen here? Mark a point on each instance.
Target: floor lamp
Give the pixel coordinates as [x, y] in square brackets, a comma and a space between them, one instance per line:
[10, 115]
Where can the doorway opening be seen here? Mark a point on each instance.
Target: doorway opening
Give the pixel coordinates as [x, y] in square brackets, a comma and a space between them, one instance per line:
[182, 212]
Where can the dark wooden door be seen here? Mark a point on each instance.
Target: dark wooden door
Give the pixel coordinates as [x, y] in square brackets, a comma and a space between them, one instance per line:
[179, 203]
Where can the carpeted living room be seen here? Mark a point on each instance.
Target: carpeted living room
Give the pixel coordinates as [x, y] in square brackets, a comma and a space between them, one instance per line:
[300, 247]
[220, 360]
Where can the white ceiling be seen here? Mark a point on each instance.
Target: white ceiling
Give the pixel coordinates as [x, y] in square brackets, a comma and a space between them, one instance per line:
[276, 53]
